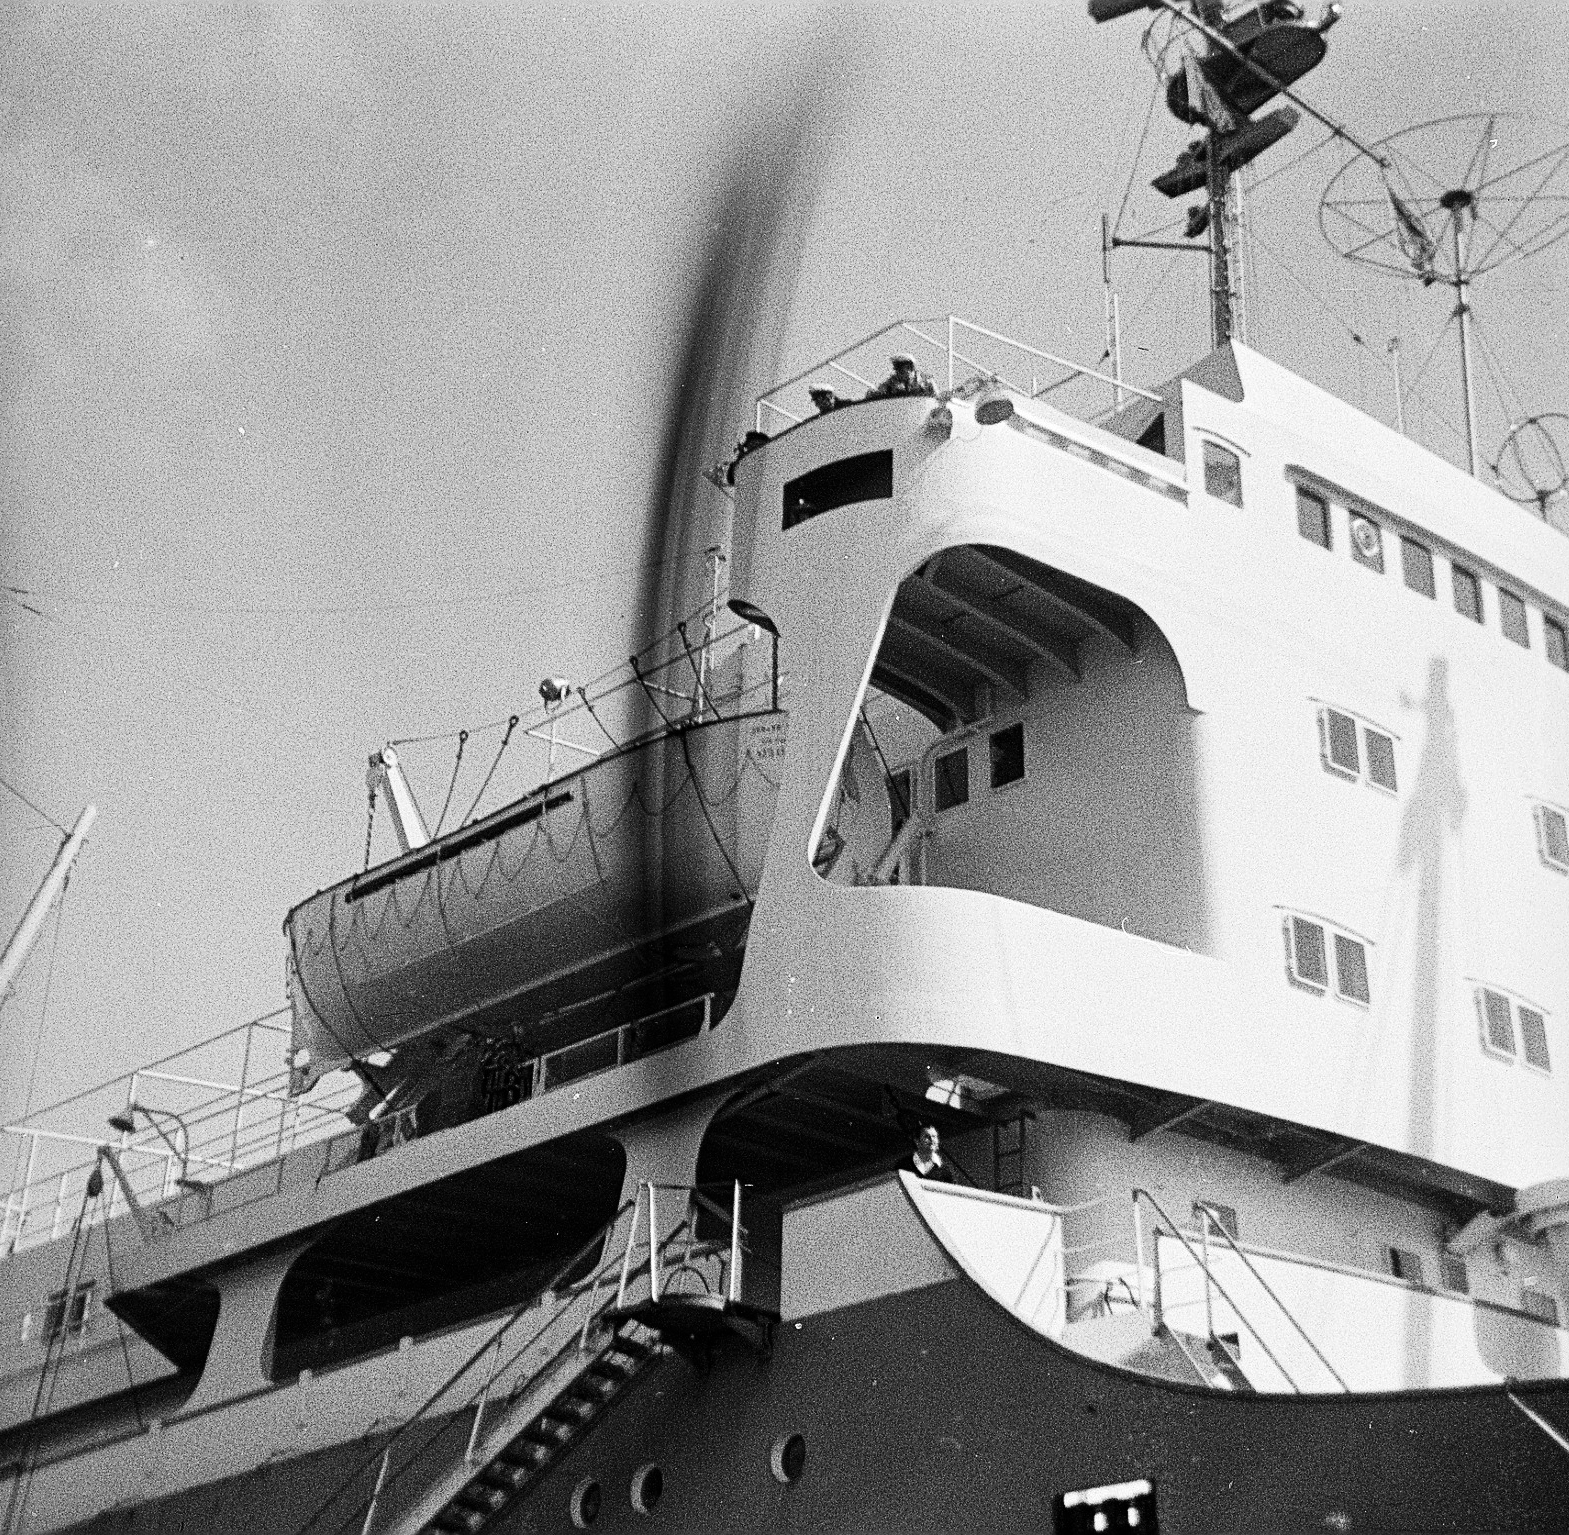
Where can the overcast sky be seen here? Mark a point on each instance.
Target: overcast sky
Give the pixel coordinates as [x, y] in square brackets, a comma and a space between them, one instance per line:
[338, 343]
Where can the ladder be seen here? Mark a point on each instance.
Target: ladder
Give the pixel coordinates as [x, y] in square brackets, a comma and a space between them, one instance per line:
[1008, 1144]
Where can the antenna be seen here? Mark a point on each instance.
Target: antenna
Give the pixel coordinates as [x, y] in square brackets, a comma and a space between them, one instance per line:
[1531, 463]
[1445, 201]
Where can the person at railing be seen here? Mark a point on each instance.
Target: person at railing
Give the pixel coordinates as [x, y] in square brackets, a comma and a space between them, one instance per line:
[904, 379]
[825, 399]
[752, 440]
[926, 1160]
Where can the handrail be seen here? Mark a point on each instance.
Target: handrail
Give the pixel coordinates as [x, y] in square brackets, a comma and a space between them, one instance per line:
[1154, 1204]
[1210, 1217]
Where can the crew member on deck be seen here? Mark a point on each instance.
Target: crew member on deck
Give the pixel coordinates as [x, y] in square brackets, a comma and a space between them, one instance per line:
[825, 399]
[926, 1161]
[903, 380]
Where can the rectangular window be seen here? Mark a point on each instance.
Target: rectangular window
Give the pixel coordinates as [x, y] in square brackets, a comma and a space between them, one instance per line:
[1453, 1275]
[1309, 961]
[1533, 1038]
[1543, 1307]
[1350, 969]
[1552, 838]
[1007, 751]
[1338, 742]
[1405, 1265]
[1367, 542]
[1313, 518]
[1222, 473]
[1417, 564]
[1511, 618]
[899, 806]
[1468, 593]
[1498, 1030]
[953, 779]
[1381, 760]
[1220, 1215]
[66, 1313]
[865, 477]
[1555, 643]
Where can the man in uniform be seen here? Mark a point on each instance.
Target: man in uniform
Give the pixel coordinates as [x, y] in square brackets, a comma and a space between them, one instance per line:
[903, 380]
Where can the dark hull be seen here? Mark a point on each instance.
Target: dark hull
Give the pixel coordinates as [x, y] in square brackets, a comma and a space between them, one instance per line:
[935, 1410]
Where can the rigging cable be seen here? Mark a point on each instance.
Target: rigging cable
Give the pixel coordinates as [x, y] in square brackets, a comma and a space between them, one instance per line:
[370, 821]
[43, 1016]
[125, 1348]
[64, 831]
[1149, 117]
[512, 724]
[463, 737]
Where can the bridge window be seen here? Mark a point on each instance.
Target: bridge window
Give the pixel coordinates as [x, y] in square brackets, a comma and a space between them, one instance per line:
[1511, 618]
[1313, 518]
[1222, 473]
[1310, 946]
[1552, 838]
[1007, 754]
[1416, 561]
[1498, 1015]
[865, 477]
[952, 774]
[1353, 749]
[1468, 593]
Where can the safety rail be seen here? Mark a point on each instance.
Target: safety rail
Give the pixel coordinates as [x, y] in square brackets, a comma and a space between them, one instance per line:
[1156, 1309]
[947, 357]
[727, 1255]
[576, 1300]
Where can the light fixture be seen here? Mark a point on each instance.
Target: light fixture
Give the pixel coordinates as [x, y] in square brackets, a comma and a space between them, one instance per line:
[553, 690]
[993, 406]
[752, 614]
[941, 421]
[124, 1122]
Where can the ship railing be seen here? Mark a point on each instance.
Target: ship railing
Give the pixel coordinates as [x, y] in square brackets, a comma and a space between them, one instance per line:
[944, 347]
[563, 1317]
[670, 1267]
[1202, 1259]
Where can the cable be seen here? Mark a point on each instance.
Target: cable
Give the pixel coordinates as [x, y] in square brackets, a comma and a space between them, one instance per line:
[463, 737]
[64, 831]
[43, 1016]
[125, 1348]
[512, 724]
[1149, 117]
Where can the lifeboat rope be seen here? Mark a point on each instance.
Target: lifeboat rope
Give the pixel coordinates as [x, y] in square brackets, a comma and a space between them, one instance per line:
[463, 737]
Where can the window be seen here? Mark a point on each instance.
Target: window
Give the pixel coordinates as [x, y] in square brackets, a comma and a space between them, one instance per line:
[1533, 1038]
[899, 805]
[953, 779]
[1367, 542]
[1468, 593]
[1309, 964]
[1313, 518]
[1453, 1275]
[1555, 643]
[1309, 947]
[865, 477]
[1552, 838]
[66, 1313]
[1345, 745]
[1007, 753]
[1405, 1265]
[1220, 1215]
[1511, 618]
[1222, 473]
[1543, 1307]
[1497, 1020]
[1417, 564]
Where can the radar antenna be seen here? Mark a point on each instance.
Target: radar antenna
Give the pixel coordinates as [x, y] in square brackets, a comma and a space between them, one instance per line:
[1445, 201]
[1531, 463]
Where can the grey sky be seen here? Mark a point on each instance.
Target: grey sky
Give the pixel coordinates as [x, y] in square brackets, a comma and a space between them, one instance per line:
[337, 344]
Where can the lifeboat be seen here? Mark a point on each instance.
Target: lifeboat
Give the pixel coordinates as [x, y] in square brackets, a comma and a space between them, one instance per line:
[641, 865]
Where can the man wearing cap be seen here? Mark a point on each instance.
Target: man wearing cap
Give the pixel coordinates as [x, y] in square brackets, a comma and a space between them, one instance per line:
[825, 399]
[904, 379]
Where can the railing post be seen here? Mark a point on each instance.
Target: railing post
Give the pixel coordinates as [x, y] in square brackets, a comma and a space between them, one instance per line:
[239, 1102]
[950, 354]
[1209, 1303]
[59, 1206]
[1138, 1248]
[735, 1243]
[375, 1497]
[479, 1407]
[653, 1249]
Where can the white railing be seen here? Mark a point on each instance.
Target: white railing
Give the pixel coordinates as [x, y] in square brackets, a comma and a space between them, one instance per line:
[714, 1265]
[958, 345]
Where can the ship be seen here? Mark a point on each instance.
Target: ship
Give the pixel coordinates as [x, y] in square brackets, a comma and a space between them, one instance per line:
[1055, 1020]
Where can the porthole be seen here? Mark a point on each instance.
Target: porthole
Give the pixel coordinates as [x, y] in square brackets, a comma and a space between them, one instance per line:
[787, 1459]
[586, 1500]
[648, 1487]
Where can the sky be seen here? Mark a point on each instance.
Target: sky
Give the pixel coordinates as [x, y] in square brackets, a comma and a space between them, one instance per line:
[340, 346]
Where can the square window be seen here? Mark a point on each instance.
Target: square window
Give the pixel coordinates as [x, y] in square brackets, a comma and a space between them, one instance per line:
[1222, 473]
[1533, 1038]
[1498, 1030]
[1309, 962]
[1555, 643]
[1453, 1275]
[1405, 1265]
[1313, 518]
[899, 806]
[1417, 564]
[1468, 593]
[1007, 754]
[953, 779]
[1351, 969]
[1543, 1307]
[1223, 1216]
[1381, 760]
[1511, 618]
[66, 1313]
[1338, 742]
[1367, 542]
[1552, 838]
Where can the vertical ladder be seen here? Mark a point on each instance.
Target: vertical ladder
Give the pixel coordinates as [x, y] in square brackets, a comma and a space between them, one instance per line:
[1008, 1143]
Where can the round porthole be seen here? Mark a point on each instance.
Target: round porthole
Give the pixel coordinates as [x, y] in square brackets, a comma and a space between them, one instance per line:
[648, 1487]
[787, 1459]
[586, 1498]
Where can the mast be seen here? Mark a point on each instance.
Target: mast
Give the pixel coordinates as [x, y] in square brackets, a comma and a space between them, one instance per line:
[1455, 204]
[26, 934]
[1221, 188]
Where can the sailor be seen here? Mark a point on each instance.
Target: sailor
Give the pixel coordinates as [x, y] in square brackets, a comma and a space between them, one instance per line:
[747, 444]
[926, 1161]
[904, 379]
[825, 399]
